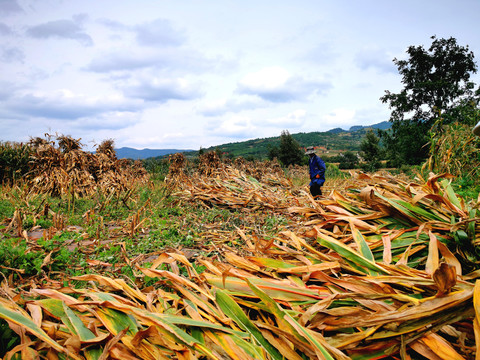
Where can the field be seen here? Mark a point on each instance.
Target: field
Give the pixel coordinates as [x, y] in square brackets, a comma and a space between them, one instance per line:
[235, 260]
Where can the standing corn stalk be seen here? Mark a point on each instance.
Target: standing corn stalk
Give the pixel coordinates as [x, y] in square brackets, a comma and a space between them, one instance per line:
[455, 150]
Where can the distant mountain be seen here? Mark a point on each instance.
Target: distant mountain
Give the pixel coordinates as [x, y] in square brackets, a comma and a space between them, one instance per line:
[337, 130]
[130, 153]
[384, 125]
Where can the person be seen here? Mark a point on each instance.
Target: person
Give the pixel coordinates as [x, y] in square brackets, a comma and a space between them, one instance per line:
[317, 172]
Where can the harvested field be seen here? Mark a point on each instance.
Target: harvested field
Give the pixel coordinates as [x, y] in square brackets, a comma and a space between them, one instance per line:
[379, 267]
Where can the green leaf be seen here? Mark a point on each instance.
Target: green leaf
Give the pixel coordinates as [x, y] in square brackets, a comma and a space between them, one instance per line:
[363, 248]
[272, 288]
[233, 310]
[450, 193]
[80, 329]
[53, 306]
[283, 317]
[189, 322]
[412, 211]
[349, 254]
[26, 323]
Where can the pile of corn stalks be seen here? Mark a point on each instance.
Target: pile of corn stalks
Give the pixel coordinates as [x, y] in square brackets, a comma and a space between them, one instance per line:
[384, 270]
[68, 170]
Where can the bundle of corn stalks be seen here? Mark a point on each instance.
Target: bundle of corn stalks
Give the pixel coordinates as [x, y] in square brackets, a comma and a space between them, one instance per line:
[176, 171]
[381, 271]
[209, 163]
[68, 170]
[268, 171]
[107, 148]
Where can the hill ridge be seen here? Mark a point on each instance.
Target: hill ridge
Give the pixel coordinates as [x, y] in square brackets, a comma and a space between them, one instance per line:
[336, 139]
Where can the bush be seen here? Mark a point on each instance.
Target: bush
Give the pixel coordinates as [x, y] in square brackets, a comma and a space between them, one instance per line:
[348, 160]
[158, 167]
[333, 172]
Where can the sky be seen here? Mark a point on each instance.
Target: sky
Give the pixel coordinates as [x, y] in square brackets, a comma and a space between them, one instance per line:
[191, 74]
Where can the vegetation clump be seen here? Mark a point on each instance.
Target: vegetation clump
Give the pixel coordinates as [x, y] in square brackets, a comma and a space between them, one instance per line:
[14, 161]
[62, 168]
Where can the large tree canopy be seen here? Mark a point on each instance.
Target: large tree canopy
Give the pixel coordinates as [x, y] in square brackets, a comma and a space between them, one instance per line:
[436, 84]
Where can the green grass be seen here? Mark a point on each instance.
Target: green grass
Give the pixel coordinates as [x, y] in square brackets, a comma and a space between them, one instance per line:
[467, 187]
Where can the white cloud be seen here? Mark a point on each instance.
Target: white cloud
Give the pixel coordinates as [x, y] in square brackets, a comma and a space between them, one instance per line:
[375, 58]
[320, 53]
[162, 89]
[236, 126]
[234, 104]
[110, 120]
[5, 29]
[62, 29]
[158, 33]
[340, 118]
[64, 104]
[267, 79]
[8, 7]
[293, 120]
[12, 55]
[276, 84]
[207, 73]
[7, 90]
[124, 61]
[163, 140]
[167, 59]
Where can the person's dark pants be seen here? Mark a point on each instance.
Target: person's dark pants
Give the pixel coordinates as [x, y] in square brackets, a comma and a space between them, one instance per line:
[315, 190]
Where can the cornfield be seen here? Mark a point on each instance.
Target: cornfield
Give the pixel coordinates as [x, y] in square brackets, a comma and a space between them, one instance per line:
[379, 267]
[14, 158]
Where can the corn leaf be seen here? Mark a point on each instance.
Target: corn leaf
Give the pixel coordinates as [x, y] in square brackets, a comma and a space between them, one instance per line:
[232, 310]
[26, 323]
[349, 254]
[282, 316]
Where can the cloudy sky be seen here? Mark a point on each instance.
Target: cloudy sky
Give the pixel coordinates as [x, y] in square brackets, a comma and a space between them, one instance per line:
[186, 74]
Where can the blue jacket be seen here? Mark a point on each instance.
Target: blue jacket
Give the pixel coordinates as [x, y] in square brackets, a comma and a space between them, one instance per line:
[317, 167]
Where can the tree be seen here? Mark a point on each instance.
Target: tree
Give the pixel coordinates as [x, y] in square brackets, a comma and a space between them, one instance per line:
[406, 142]
[348, 160]
[371, 151]
[289, 151]
[272, 151]
[436, 84]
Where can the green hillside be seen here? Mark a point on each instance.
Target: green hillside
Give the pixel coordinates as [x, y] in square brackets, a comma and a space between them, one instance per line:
[329, 142]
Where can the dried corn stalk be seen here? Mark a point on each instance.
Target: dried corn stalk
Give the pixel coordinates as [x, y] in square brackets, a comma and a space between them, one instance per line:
[68, 170]
[456, 151]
